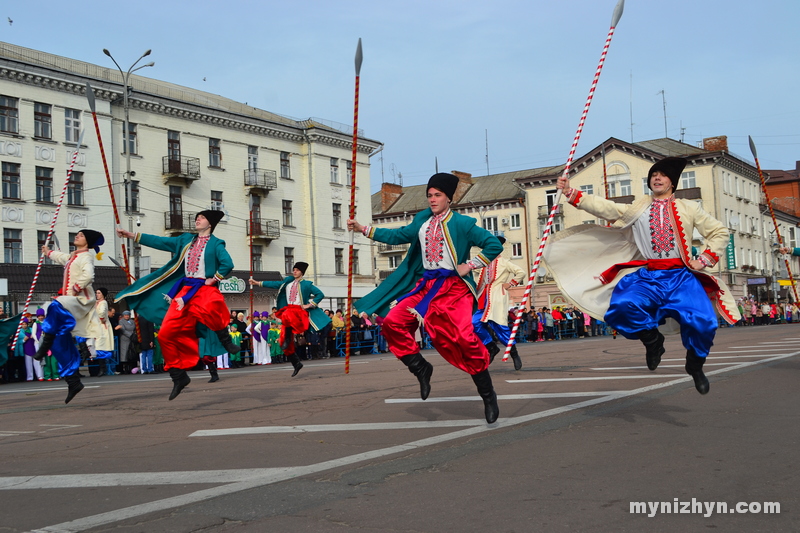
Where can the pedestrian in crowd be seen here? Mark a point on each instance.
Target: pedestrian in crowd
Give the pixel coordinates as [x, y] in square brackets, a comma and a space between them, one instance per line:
[104, 343]
[434, 285]
[128, 356]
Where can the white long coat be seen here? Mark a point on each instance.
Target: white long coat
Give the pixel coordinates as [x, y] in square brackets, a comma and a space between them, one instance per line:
[77, 294]
[491, 279]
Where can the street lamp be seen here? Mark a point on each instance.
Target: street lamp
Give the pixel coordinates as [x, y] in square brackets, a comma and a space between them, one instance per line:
[126, 135]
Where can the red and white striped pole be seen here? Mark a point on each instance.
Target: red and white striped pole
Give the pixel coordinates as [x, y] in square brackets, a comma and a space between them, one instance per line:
[772, 214]
[348, 323]
[525, 297]
[49, 235]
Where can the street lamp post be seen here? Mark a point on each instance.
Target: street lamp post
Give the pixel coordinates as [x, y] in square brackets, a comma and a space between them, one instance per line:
[126, 140]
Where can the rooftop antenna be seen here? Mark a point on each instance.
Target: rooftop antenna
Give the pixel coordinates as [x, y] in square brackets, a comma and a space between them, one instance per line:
[664, 102]
[487, 151]
[631, 100]
[437, 164]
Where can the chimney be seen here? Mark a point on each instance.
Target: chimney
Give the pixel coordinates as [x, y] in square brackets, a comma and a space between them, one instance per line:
[390, 192]
[716, 144]
[464, 183]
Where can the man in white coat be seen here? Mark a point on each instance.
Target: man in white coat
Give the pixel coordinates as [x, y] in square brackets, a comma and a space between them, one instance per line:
[73, 312]
[640, 271]
[491, 318]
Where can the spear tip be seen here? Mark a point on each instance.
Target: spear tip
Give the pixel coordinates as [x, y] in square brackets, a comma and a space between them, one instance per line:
[752, 147]
[359, 58]
[617, 13]
[90, 97]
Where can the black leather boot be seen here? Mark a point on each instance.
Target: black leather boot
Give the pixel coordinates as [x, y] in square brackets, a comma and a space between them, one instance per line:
[83, 349]
[212, 369]
[653, 342]
[694, 367]
[515, 358]
[421, 368]
[179, 379]
[47, 342]
[287, 338]
[484, 383]
[295, 360]
[225, 339]
[494, 349]
[74, 386]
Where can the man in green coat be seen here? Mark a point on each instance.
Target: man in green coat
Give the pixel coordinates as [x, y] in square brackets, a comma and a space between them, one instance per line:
[298, 310]
[189, 281]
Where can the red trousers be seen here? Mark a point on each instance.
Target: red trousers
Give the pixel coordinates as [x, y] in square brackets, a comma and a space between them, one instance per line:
[295, 317]
[177, 336]
[448, 322]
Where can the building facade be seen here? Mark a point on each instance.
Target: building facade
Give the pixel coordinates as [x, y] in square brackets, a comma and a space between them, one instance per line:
[283, 184]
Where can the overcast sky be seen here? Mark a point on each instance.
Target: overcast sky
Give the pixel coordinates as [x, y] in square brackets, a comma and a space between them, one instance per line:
[438, 75]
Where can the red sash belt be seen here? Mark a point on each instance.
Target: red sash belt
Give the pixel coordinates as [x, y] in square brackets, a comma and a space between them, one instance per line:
[651, 264]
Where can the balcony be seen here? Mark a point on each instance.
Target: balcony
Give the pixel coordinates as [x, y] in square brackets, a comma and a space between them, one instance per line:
[186, 168]
[179, 222]
[383, 274]
[623, 199]
[544, 210]
[258, 178]
[689, 194]
[392, 248]
[261, 228]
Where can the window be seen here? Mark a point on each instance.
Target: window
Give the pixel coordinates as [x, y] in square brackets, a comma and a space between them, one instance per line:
[11, 185]
[44, 185]
[334, 170]
[41, 238]
[688, 180]
[288, 259]
[9, 114]
[285, 170]
[12, 245]
[132, 197]
[619, 188]
[490, 224]
[252, 157]
[214, 153]
[557, 226]
[72, 237]
[516, 249]
[174, 145]
[395, 260]
[355, 262]
[287, 214]
[255, 211]
[132, 143]
[175, 207]
[792, 238]
[737, 185]
[587, 189]
[338, 259]
[349, 167]
[72, 125]
[337, 216]
[258, 251]
[75, 189]
[515, 221]
[42, 121]
[216, 201]
[647, 190]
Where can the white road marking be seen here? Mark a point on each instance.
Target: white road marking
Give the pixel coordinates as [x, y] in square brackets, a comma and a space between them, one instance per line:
[599, 378]
[46, 389]
[278, 475]
[503, 397]
[640, 367]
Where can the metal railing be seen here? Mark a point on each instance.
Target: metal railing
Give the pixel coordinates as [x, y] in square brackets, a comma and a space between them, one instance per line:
[179, 221]
[383, 247]
[183, 167]
[261, 178]
[544, 210]
[267, 229]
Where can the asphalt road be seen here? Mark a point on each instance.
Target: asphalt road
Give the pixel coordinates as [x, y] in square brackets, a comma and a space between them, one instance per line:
[584, 430]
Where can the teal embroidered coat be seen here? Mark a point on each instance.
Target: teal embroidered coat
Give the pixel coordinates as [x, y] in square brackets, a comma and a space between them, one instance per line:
[460, 234]
[309, 293]
[147, 295]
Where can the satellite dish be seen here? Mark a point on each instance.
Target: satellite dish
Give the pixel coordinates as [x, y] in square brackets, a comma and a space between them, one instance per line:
[734, 220]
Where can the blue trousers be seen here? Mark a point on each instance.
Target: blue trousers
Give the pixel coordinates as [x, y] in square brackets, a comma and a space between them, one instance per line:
[60, 323]
[482, 329]
[644, 299]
